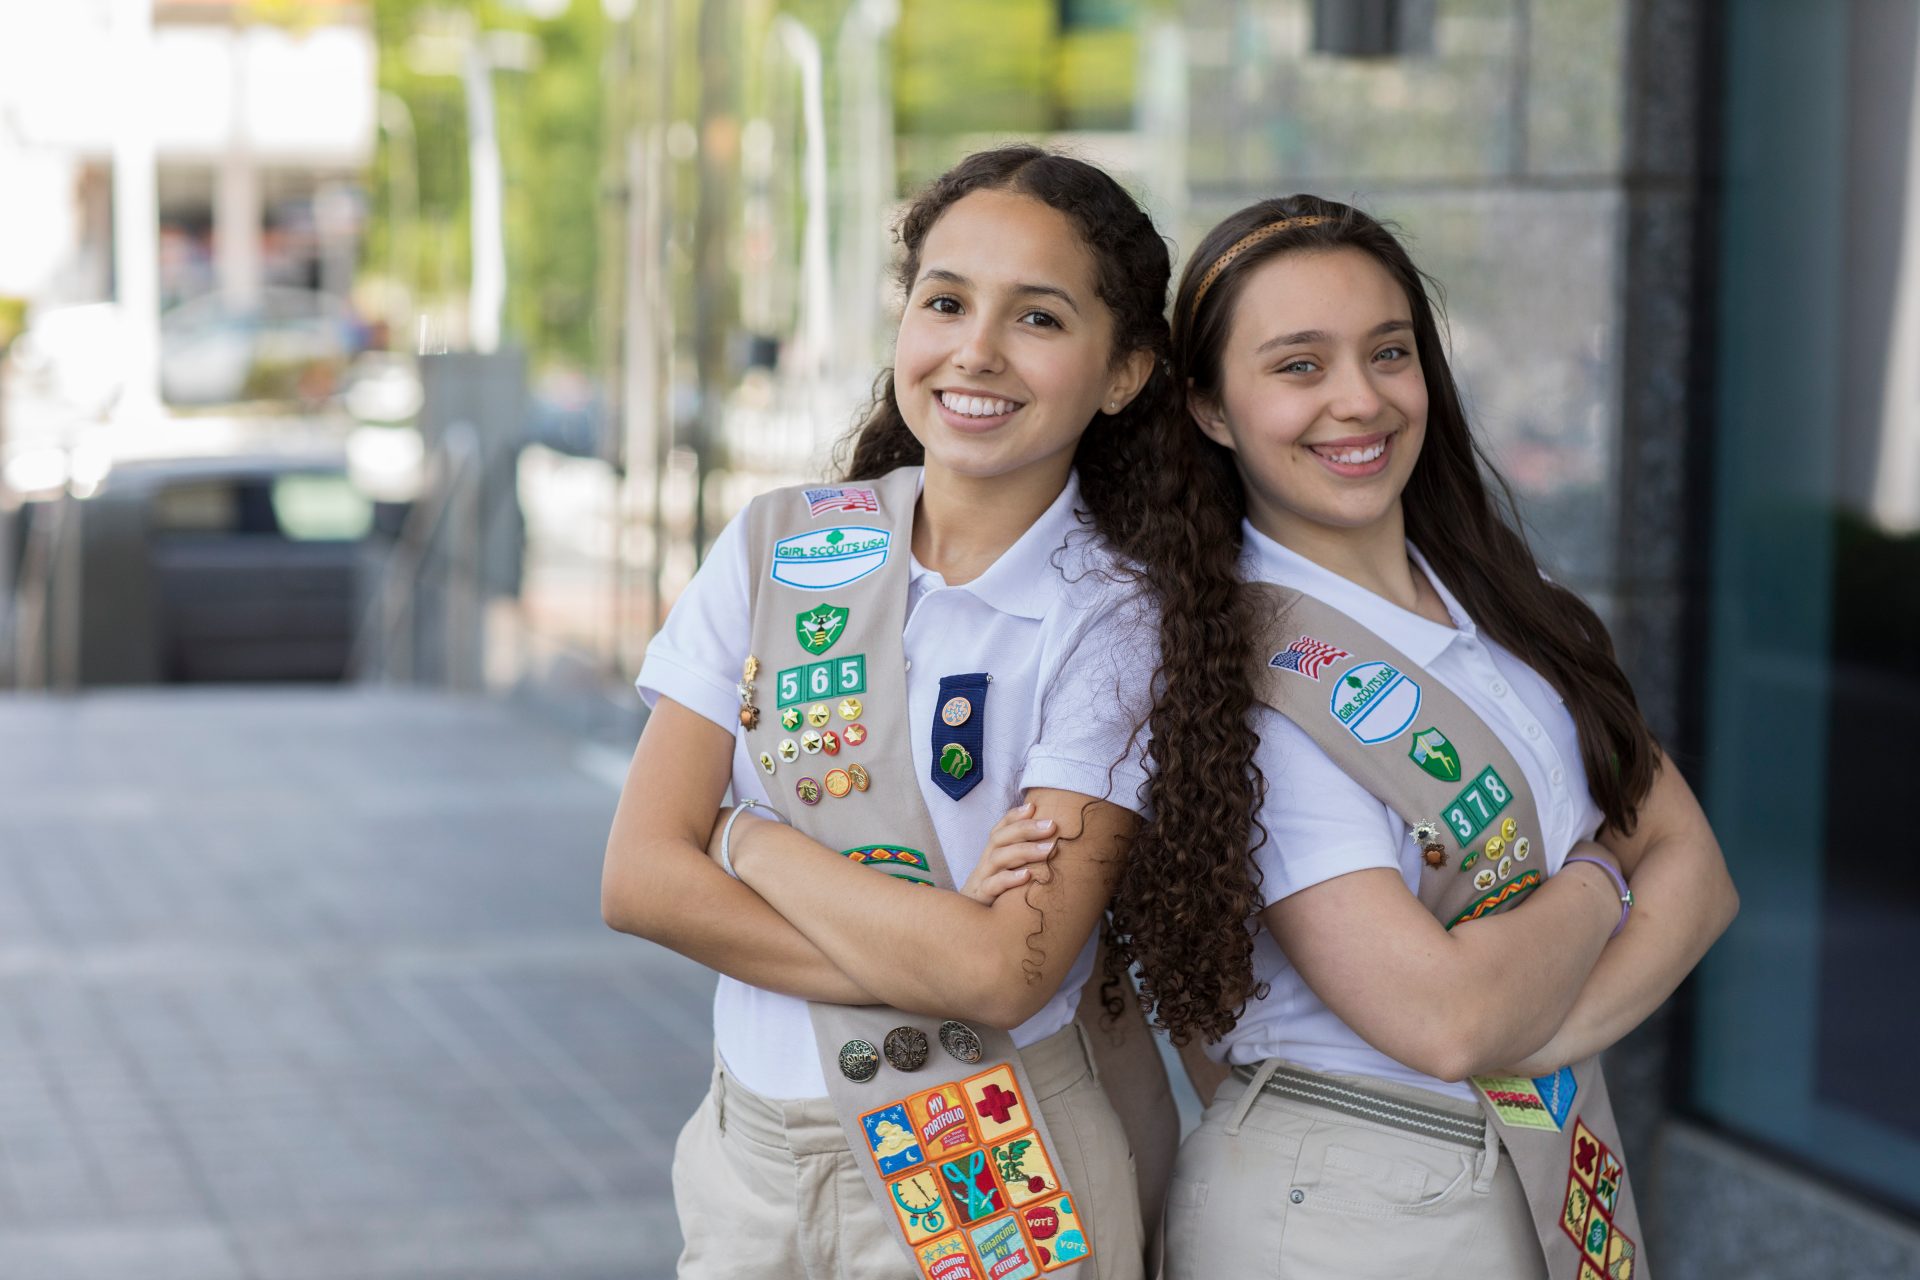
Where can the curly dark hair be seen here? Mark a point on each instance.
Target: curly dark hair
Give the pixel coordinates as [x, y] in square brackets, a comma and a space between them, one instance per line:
[1183, 873]
[1172, 515]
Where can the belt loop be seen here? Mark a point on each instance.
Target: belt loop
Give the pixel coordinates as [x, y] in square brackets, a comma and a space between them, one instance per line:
[719, 1094]
[1261, 1075]
[1086, 1050]
[1489, 1161]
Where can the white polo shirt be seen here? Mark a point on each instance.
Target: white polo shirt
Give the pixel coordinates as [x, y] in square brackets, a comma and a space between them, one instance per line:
[1321, 823]
[1072, 654]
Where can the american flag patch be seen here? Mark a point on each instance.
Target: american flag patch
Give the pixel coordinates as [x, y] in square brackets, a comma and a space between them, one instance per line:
[1308, 656]
[821, 501]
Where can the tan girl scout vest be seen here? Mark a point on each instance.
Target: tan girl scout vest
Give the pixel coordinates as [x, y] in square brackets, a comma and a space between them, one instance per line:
[1414, 744]
[939, 1111]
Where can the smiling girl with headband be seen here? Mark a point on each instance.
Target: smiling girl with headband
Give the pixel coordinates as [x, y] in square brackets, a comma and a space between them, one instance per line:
[879, 668]
[1444, 735]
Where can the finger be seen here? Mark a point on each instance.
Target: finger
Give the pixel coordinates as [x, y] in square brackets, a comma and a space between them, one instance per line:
[1024, 830]
[1007, 856]
[1002, 881]
[1013, 815]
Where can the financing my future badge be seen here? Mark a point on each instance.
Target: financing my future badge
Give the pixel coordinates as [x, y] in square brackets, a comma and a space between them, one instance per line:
[1539, 1102]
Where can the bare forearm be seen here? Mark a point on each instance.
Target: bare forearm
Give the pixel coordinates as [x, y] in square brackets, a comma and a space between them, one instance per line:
[886, 930]
[1683, 901]
[1535, 960]
[685, 903]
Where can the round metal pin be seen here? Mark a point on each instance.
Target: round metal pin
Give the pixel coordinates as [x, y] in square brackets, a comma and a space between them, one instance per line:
[808, 789]
[838, 783]
[850, 709]
[859, 1061]
[1521, 848]
[818, 715]
[767, 764]
[906, 1048]
[960, 1040]
[855, 734]
[858, 775]
[956, 712]
[790, 718]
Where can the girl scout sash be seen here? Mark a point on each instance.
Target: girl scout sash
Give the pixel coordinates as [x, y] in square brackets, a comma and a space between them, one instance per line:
[1413, 743]
[940, 1112]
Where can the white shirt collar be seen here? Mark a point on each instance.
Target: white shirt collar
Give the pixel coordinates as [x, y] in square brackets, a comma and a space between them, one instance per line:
[1024, 581]
[1419, 639]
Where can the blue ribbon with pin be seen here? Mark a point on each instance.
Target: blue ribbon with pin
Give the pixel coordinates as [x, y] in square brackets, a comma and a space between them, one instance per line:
[959, 733]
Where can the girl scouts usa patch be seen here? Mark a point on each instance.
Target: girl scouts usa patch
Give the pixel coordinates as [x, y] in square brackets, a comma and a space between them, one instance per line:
[822, 559]
[1375, 701]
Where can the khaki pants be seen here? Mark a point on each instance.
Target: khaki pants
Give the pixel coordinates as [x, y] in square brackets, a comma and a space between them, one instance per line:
[1273, 1187]
[769, 1189]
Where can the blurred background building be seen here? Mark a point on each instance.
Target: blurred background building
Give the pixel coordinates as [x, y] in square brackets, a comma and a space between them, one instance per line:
[432, 341]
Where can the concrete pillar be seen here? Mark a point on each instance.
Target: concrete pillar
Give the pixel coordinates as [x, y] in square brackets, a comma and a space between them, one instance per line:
[136, 205]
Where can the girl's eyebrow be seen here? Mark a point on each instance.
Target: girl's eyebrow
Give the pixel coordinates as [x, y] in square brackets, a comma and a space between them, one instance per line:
[1043, 290]
[1308, 336]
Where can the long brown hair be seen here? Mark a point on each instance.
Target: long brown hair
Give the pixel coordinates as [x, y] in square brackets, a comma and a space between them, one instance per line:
[1153, 496]
[1472, 542]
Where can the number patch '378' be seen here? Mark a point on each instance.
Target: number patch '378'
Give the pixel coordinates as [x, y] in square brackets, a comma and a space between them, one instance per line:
[1479, 804]
[820, 680]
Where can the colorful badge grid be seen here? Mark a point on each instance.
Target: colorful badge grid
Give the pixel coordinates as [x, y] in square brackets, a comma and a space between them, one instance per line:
[1498, 867]
[1593, 1191]
[972, 1184]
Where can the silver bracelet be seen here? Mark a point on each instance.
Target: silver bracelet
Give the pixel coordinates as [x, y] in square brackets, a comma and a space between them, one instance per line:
[726, 834]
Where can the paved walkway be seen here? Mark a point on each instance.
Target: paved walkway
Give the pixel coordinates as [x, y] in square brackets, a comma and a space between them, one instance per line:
[313, 986]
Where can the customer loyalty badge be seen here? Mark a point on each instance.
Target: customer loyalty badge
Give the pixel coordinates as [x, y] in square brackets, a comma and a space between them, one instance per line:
[959, 732]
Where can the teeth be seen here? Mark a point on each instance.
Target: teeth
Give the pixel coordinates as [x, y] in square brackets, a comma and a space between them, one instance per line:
[1355, 457]
[976, 406]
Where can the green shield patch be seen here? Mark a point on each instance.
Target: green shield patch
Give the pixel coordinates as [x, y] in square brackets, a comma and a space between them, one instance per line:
[1432, 752]
[819, 627]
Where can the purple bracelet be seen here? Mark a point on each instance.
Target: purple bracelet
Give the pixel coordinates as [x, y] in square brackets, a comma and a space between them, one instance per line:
[1619, 882]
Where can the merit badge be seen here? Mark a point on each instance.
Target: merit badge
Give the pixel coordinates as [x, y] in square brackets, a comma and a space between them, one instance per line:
[1307, 656]
[859, 1061]
[1496, 846]
[1432, 752]
[839, 498]
[921, 1207]
[946, 1259]
[995, 1101]
[819, 627]
[850, 710]
[960, 1040]
[1509, 828]
[1375, 701]
[1506, 867]
[959, 733]
[1521, 848]
[1484, 878]
[906, 1048]
[1003, 1251]
[818, 715]
[855, 734]
[838, 783]
[790, 718]
[1473, 856]
[1518, 1101]
[1024, 1169]
[969, 1183]
[821, 560]
[789, 750]
[940, 1120]
[890, 1138]
[808, 789]
[1435, 855]
[1057, 1233]
[767, 764]
[810, 742]
[858, 775]
[830, 743]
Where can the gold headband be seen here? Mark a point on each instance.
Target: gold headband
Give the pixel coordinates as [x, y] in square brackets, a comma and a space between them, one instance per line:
[1245, 243]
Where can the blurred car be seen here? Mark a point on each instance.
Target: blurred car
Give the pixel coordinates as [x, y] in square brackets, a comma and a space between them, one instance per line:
[293, 345]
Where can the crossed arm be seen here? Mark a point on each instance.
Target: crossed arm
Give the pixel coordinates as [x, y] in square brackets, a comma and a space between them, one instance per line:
[1531, 988]
[804, 921]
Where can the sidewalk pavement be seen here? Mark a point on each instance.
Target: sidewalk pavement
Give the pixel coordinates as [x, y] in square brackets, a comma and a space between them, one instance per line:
[312, 985]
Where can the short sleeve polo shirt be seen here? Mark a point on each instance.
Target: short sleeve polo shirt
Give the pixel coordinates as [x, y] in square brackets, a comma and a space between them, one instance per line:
[1071, 645]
